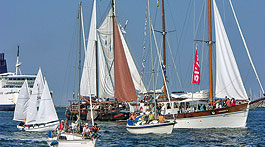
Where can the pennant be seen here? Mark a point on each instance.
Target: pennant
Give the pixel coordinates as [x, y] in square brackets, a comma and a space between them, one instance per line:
[196, 69]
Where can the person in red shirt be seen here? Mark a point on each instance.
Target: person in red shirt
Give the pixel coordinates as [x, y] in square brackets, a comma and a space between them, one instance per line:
[233, 102]
[228, 102]
[61, 126]
[213, 104]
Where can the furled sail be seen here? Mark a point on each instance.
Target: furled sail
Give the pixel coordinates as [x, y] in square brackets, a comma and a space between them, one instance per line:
[88, 78]
[228, 79]
[22, 103]
[46, 112]
[34, 98]
[124, 86]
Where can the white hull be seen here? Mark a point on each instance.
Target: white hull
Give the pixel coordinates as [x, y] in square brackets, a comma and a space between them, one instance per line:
[40, 128]
[71, 140]
[227, 120]
[161, 128]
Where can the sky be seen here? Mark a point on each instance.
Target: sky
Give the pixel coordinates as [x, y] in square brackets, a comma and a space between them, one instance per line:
[47, 34]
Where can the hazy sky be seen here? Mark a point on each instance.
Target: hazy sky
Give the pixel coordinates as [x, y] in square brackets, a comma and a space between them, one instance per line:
[47, 34]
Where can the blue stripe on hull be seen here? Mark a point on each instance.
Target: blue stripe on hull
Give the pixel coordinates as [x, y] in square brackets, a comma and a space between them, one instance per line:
[10, 107]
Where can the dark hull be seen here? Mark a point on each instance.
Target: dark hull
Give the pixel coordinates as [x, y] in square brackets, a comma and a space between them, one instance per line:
[113, 115]
[10, 107]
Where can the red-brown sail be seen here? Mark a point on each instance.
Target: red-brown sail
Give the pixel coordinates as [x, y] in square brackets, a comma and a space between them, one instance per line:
[124, 87]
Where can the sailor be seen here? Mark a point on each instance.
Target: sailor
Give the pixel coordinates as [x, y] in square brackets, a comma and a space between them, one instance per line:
[86, 130]
[61, 126]
[151, 117]
[161, 118]
[94, 131]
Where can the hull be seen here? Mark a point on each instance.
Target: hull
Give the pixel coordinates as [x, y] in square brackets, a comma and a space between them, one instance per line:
[161, 128]
[7, 107]
[113, 115]
[231, 117]
[257, 103]
[70, 140]
[40, 128]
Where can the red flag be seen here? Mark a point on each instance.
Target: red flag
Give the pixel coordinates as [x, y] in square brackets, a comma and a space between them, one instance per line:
[196, 69]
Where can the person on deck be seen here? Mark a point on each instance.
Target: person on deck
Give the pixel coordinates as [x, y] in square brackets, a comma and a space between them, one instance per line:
[150, 118]
[161, 118]
[133, 116]
[61, 126]
[95, 131]
[213, 104]
[86, 130]
[228, 103]
[233, 102]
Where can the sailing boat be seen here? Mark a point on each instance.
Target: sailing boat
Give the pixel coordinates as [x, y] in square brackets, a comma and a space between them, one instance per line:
[38, 108]
[228, 83]
[155, 126]
[102, 74]
[74, 137]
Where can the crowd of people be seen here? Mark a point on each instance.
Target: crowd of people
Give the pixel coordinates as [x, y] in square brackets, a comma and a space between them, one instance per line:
[146, 117]
[92, 132]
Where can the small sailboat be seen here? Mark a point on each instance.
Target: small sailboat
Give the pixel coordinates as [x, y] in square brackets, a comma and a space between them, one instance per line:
[74, 138]
[40, 115]
[154, 127]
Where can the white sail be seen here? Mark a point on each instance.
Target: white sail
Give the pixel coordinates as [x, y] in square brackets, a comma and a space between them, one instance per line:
[106, 57]
[35, 98]
[228, 79]
[138, 83]
[88, 78]
[22, 102]
[46, 112]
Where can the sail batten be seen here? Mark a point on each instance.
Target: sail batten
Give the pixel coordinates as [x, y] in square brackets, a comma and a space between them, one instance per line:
[228, 78]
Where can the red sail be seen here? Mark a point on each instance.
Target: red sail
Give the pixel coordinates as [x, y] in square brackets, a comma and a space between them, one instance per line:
[124, 86]
[196, 69]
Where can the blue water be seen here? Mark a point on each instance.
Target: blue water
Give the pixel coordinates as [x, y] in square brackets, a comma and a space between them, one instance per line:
[114, 134]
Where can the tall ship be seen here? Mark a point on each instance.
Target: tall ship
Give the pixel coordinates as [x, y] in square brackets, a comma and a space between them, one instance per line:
[10, 84]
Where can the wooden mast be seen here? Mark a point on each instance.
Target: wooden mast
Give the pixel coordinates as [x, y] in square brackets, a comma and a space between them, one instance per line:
[210, 50]
[164, 54]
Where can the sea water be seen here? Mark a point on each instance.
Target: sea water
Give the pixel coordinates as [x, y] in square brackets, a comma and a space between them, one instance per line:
[114, 134]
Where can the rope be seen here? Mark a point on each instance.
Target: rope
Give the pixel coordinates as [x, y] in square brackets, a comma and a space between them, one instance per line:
[243, 39]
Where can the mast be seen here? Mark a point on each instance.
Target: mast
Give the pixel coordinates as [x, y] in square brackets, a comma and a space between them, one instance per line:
[210, 51]
[18, 63]
[164, 54]
[79, 63]
[96, 59]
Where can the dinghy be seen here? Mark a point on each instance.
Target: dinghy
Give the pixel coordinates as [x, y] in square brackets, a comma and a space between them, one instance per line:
[40, 115]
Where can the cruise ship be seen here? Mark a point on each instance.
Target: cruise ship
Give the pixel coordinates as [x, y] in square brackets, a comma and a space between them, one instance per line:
[10, 84]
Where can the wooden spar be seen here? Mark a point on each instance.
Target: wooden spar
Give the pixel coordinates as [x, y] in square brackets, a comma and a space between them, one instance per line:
[210, 51]
[79, 62]
[164, 54]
